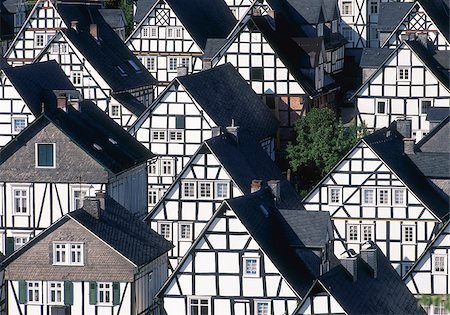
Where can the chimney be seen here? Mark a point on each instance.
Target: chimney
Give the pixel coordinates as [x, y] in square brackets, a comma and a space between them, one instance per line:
[234, 130]
[369, 255]
[350, 262]
[74, 25]
[100, 195]
[93, 29]
[276, 189]
[206, 64]
[216, 131]
[404, 127]
[92, 206]
[271, 13]
[61, 102]
[75, 103]
[182, 71]
[408, 145]
[423, 39]
[256, 185]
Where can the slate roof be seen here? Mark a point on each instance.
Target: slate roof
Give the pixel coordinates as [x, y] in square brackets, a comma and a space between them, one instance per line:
[432, 164]
[114, 17]
[34, 81]
[391, 14]
[388, 145]
[109, 55]
[438, 11]
[437, 114]
[130, 102]
[224, 95]
[125, 233]
[437, 139]
[386, 294]
[374, 57]
[6, 20]
[142, 8]
[86, 127]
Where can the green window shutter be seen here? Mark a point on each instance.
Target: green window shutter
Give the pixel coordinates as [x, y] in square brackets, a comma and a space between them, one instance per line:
[68, 293]
[9, 246]
[22, 292]
[116, 293]
[179, 122]
[92, 293]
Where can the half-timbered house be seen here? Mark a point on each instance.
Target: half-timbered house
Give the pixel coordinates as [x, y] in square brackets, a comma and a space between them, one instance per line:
[12, 16]
[250, 258]
[95, 260]
[173, 34]
[412, 79]
[116, 19]
[225, 166]
[91, 54]
[66, 154]
[182, 117]
[21, 90]
[400, 21]
[360, 284]
[381, 191]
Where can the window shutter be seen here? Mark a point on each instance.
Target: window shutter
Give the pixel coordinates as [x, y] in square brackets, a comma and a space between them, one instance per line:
[92, 293]
[22, 292]
[179, 122]
[9, 245]
[116, 293]
[68, 293]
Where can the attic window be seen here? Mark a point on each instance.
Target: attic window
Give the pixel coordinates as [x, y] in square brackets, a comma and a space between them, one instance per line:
[134, 65]
[121, 71]
[112, 141]
[95, 145]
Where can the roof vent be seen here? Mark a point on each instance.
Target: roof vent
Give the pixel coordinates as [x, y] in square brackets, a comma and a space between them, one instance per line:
[95, 145]
[112, 141]
[256, 185]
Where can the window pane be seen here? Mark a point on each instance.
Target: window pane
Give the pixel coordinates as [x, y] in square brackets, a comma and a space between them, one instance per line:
[45, 155]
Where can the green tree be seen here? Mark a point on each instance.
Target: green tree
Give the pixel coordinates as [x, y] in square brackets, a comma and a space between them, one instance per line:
[321, 141]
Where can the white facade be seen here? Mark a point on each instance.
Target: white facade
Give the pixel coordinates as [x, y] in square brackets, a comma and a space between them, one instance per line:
[322, 303]
[368, 201]
[403, 87]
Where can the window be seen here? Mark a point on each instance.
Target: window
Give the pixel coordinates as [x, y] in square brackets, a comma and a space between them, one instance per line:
[165, 230]
[205, 190]
[352, 233]
[167, 167]
[425, 106]
[381, 106]
[222, 190]
[199, 306]
[63, 49]
[374, 7]
[172, 63]
[188, 189]
[175, 136]
[150, 63]
[439, 263]
[180, 122]
[33, 292]
[334, 195]
[174, 32]
[153, 197]
[383, 196]
[20, 200]
[403, 74]
[159, 135]
[262, 308]
[19, 241]
[399, 197]
[153, 167]
[78, 197]
[185, 231]
[367, 232]
[45, 155]
[149, 32]
[162, 167]
[368, 196]
[320, 29]
[257, 74]
[347, 8]
[18, 124]
[251, 266]
[56, 292]
[39, 40]
[68, 254]
[104, 291]
[408, 233]
[114, 111]
[77, 78]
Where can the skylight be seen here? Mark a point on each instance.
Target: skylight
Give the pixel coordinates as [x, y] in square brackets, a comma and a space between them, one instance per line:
[95, 145]
[134, 65]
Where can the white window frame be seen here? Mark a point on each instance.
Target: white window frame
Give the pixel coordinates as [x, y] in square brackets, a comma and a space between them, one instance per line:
[153, 167]
[21, 197]
[344, 5]
[267, 302]
[401, 76]
[36, 154]
[179, 135]
[183, 189]
[68, 253]
[372, 230]
[180, 230]
[199, 298]
[56, 289]
[374, 197]
[151, 63]
[405, 227]
[154, 191]
[170, 66]
[13, 122]
[199, 189]
[386, 105]
[37, 42]
[251, 256]
[434, 257]
[379, 197]
[334, 188]
[358, 233]
[394, 201]
[150, 32]
[421, 106]
[36, 287]
[24, 239]
[371, 6]
[160, 230]
[176, 32]
[171, 165]
[105, 290]
[159, 132]
[78, 189]
[216, 190]
[76, 77]
[112, 113]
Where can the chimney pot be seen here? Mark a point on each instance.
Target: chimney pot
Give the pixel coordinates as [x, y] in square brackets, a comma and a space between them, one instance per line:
[408, 145]
[256, 185]
[234, 130]
[61, 102]
[216, 131]
[74, 25]
[182, 71]
[369, 255]
[93, 29]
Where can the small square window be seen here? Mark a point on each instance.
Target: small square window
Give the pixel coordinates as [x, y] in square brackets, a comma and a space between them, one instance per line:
[368, 196]
[165, 230]
[45, 155]
[383, 196]
[174, 32]
[403, 73]
[77, 78]
[104, 293]
[251, 266]
[150, 63]
[114, 111]
[185, 231]
[408, 234]
[18, 124]
[19, 241]
[257, 74]
[374, 7]
[199, 306]
[347, 8]
[353, 232]
[222, 190]
[159, 135]
[262, 307]
[205, 190]
[172, 63]
[78, 197]
[153, 167]
[425, 105]
[188, 189]
[399, 197]
[334, 195]
[175, 136]
[381, 106]
[367, 233]
[439, 264]
[39, 40]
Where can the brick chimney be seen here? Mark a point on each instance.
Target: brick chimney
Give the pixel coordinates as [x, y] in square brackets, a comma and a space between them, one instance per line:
[255, 186]
[349, 261]
[92, 206]
[100, 195]
[182, 71]
[234, 130]
[206, 64]
[93, 29]
[216, 131]
[404, 127]
[61, 102]
[408, 145]
[369, 255]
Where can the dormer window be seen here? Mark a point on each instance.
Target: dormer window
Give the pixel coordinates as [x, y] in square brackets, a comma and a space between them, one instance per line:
[45, 155]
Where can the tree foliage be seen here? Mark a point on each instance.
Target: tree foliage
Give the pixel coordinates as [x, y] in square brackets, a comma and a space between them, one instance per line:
[321, 141]
[436, 300]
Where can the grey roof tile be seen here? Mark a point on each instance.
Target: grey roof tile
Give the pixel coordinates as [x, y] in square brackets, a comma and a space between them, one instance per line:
[437, 114]
[374, 57]
[391, 14]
